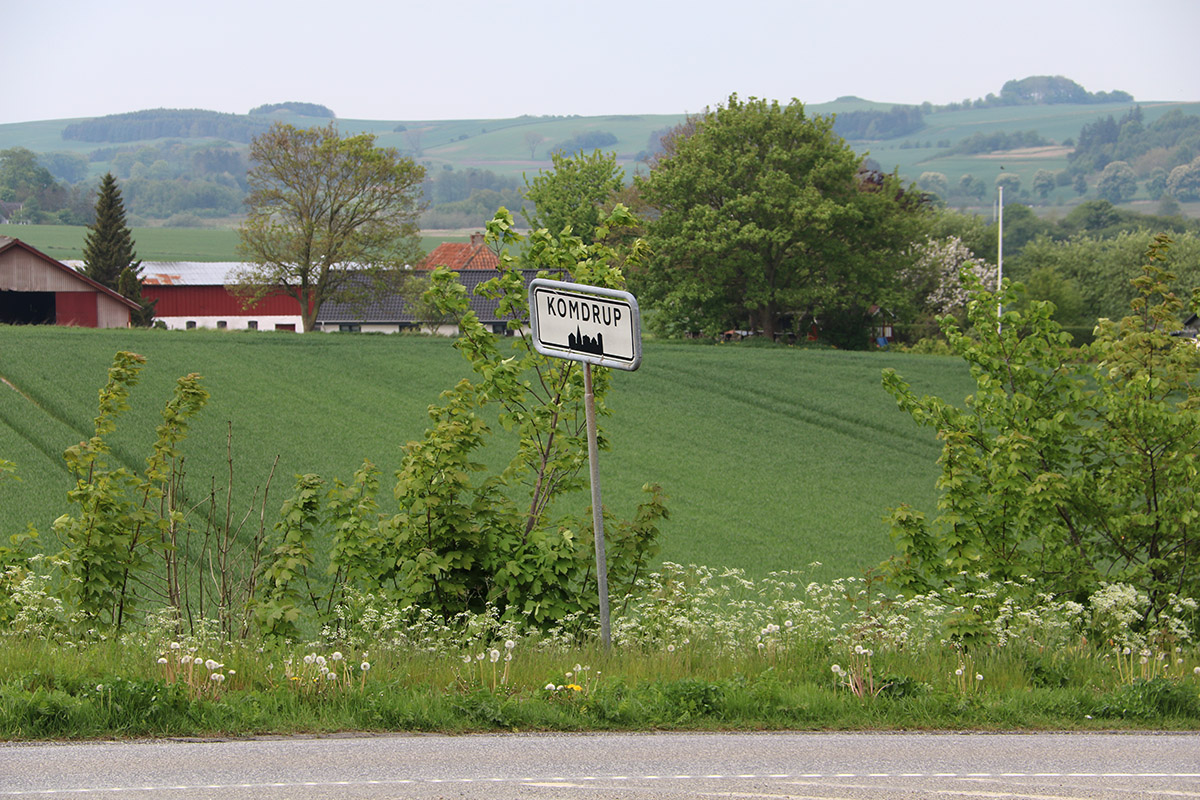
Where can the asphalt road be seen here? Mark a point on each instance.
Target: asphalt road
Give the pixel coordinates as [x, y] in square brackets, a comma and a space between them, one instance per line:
[779, 766]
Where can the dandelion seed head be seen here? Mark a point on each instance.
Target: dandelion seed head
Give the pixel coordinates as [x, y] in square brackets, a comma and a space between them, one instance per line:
[549, 687]
[509, 644]
[337, 656]
[978, 676]
[162, 660]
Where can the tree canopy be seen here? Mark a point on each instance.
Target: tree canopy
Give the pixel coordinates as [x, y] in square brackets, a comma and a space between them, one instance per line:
[765, 221]
[572, 193]
[1074, 470]
[329, 217]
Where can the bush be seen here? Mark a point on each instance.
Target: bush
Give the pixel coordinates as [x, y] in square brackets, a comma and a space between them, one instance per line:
[1066, 468]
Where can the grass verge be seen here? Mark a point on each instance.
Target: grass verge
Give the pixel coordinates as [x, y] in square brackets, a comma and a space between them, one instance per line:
[696, 649]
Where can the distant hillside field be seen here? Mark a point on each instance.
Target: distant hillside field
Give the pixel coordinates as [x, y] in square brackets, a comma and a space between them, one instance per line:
[517, 148]
[772, 458]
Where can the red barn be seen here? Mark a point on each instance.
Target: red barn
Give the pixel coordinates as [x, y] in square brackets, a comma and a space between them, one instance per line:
[35, 289]
[192, 294]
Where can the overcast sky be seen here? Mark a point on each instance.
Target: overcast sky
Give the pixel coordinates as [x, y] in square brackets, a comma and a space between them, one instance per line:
[448, 59]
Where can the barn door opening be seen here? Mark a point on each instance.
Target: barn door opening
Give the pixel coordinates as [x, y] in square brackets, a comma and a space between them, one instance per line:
[27, 308]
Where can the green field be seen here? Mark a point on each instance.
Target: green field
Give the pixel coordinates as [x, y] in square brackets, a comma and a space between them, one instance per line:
[65, 242]
[772, 457]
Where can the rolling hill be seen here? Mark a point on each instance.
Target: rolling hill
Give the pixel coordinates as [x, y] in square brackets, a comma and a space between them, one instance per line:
[515, 147]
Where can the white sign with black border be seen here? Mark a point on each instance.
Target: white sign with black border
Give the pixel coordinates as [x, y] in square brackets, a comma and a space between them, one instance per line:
[585, 323]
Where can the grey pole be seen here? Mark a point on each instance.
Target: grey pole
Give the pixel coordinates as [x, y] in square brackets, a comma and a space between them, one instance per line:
[589, 398]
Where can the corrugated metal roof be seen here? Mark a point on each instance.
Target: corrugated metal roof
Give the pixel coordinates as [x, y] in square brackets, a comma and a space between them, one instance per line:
[181, 273]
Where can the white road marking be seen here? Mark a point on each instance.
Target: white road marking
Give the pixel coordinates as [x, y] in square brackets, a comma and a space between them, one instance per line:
[567, 781]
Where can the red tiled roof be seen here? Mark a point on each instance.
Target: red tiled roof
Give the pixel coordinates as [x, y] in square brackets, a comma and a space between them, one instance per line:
[459, 256]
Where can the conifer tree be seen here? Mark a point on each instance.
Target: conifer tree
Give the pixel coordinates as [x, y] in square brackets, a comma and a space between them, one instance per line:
[108, 248]
[108, 255]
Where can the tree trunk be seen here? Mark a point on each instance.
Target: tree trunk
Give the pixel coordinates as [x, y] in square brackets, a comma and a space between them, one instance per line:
[308, 310]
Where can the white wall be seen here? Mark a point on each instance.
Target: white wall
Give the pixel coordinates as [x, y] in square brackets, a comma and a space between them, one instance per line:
[265, 322]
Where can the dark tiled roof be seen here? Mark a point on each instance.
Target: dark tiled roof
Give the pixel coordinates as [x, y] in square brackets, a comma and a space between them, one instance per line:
[393, 310]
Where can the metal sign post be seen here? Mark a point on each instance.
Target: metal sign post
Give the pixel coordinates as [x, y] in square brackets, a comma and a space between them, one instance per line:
[589, 404]
[592, 325]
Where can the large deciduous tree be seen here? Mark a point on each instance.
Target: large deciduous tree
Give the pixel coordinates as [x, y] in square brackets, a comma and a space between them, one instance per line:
[108, 250]
[573, 193]
[330, 217]
[766, 221]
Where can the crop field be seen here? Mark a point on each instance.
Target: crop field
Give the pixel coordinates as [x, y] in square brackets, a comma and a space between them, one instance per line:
[772, 458]
[65, 242]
